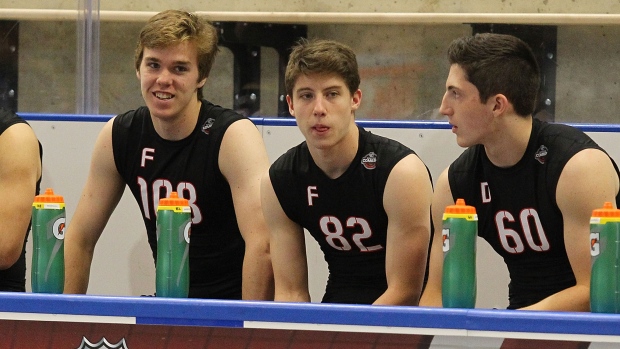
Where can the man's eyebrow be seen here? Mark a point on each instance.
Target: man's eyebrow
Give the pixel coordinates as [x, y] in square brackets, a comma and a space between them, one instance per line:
[155, 59]
[335, 87]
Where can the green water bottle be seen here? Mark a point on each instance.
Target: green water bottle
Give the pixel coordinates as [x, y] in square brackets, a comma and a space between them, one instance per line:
[605, 250]
[459, 232]
[174, 219]
[48, 237]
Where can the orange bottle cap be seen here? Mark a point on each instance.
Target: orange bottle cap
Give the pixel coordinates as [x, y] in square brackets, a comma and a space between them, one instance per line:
[460, 208]
[173, 200]
[49, 196]
[608, 210]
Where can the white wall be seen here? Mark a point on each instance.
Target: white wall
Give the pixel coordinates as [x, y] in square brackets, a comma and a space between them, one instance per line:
[123, 264]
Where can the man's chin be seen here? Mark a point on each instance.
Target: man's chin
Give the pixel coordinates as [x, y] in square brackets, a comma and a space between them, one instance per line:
[462, 143]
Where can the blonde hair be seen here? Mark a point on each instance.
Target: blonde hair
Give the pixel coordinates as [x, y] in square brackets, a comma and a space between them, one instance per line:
[172, 27]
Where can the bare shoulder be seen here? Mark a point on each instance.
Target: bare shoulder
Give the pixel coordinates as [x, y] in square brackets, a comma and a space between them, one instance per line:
[19, 133]
[581, 165]
[104, 139]
[408, 180]
[588, 155]
[410, 169]
[588, 178]
[20, 149]
[410, 165]
[243, 150]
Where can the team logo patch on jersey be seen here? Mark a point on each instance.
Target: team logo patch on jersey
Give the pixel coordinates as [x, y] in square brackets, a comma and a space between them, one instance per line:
[370, 161]
[541, 154]
[206, 128]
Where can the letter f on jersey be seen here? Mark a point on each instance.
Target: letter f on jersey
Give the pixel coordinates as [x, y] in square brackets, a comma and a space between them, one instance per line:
[146, 155]
[312, 194]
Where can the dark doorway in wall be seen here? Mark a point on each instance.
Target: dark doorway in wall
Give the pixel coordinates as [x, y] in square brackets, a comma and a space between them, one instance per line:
[9, 35]
[543, 41]
[245, 41]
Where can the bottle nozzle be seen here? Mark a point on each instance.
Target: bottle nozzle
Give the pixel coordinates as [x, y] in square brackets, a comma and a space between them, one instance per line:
[460, 208]
[173, 200]
[608, 210]
[49, 196]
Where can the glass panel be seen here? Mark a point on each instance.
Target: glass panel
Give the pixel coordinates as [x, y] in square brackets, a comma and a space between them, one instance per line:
[403, 68]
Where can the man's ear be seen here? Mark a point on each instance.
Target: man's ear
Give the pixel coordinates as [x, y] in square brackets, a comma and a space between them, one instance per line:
[138, 74]
[356, 99]
[500, 104]
[202, 82]
[291, 109]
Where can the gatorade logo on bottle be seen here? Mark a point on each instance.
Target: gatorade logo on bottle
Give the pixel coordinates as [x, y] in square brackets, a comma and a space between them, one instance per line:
[595, 247]
[445, 234]
[58, 229]
[186, 231]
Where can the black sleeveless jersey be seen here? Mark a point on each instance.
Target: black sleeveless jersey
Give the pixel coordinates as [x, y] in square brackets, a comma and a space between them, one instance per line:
[517, 210]
[14, 278]
[153, 167]
[344, 215]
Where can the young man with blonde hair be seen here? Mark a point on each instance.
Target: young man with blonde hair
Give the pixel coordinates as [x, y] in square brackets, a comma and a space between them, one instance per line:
[180, 142]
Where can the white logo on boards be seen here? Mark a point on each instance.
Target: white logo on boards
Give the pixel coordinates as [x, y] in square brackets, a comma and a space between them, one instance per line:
[102, 344]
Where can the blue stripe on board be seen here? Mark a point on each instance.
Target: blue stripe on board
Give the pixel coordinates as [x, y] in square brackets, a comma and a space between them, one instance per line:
[596, 127]
[188, 322]
[222, 313]
[416, 124]
[543, 322]
[65, 117]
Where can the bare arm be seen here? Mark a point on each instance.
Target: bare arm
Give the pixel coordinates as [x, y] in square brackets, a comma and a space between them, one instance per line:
[442, 197]
[586, 182]
[20, 169]
[407, 202]
[243, 160]
[100, 195]
[288, 249]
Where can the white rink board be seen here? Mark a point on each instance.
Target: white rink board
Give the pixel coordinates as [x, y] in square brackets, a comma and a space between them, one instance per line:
[123, 263]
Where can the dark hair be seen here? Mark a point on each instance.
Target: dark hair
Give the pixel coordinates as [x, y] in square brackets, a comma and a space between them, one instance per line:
[320, 56]
[499, 63]
[172, 27]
